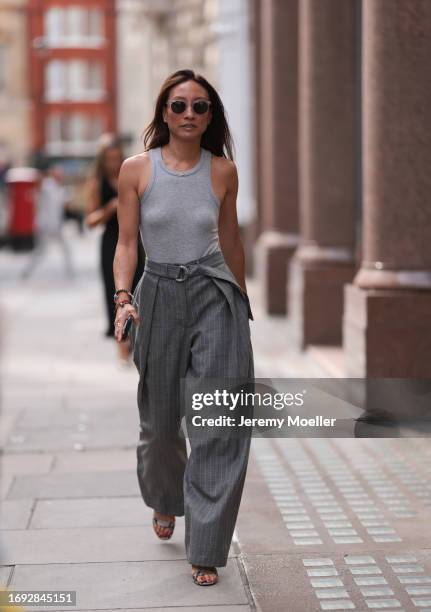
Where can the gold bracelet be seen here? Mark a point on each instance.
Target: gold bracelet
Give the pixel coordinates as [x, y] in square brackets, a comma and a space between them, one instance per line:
[122, 291]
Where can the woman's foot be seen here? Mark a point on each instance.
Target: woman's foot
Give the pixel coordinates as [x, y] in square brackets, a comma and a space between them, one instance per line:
[204, 575]
[164, 525]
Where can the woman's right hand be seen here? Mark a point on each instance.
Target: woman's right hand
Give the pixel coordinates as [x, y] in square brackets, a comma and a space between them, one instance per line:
[121, 316]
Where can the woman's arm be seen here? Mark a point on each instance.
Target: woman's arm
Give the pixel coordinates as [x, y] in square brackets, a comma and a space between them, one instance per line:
[126, 254]
[133, 170]
[95, 213]
[229, 236]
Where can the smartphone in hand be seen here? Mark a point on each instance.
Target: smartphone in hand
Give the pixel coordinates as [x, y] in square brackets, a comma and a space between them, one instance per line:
[126, 327]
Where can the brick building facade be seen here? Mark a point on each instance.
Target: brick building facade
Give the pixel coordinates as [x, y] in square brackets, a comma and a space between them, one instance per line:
[72, 59]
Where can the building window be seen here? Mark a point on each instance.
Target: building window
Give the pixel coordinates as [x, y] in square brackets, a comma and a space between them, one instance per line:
[55, 80]
[77, 80]
[75, 22]
[77, 84]
[96, 77]
[54, 25]
[95, 22]
[74, 26]
[73, 134]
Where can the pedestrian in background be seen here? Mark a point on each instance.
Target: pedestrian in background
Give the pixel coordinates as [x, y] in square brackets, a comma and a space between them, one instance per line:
[50, 206]
[192, 316]
[101, 209]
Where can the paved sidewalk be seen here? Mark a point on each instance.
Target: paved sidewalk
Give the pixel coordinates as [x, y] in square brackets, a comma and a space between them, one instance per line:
[72, 513]
[323, 525]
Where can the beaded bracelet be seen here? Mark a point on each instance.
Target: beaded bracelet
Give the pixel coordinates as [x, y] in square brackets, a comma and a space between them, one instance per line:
[122, 291]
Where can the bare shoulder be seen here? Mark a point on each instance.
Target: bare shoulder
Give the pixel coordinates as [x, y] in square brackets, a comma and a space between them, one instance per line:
[135, 163]
[224, 167]
[135, 171]
[224, 176]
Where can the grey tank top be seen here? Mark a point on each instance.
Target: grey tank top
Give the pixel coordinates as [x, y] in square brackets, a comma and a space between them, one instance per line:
[179, 211]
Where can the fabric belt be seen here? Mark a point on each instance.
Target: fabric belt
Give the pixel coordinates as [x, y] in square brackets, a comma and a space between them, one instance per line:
[212, 265]
[180, 272]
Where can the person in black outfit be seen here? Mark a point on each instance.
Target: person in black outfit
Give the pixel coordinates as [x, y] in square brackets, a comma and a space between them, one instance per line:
[101, 208]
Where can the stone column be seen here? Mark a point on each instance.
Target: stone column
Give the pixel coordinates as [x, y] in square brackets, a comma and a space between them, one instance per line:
[387, 323]
[325, 259]
[277, 125]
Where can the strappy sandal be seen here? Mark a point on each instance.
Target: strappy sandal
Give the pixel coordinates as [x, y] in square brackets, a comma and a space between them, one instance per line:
[202, 571]
[165, 524]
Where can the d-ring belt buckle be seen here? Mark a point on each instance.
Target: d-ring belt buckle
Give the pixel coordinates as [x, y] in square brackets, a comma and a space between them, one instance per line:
[181, 278]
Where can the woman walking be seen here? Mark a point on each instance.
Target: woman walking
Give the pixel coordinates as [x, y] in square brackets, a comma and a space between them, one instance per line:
[192, 318]
[101, 208]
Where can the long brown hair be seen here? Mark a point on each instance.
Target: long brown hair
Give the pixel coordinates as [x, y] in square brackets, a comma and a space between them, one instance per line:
[217, 137]
[107, 141]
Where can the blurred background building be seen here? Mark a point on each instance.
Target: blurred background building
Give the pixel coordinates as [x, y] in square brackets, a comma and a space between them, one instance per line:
[154, 39]
[73, 84]
[15, 138]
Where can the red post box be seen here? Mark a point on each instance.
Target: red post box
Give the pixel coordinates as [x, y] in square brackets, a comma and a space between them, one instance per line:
[22, 184]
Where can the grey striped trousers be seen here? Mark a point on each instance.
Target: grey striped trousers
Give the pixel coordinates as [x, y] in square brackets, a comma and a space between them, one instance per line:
[190, 331]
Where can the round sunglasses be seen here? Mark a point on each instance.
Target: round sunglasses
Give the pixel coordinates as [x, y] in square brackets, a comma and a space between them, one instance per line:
[179, 106]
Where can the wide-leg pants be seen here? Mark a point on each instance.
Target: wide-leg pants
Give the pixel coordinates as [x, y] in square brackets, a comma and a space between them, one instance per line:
[192, 328]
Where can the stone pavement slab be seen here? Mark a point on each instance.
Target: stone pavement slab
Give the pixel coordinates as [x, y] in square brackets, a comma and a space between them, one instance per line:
[63, 427]
[41, 396]
[104, 544]
[15, 514]
[8, 423]
[133, 584]
[57, 439]
[5, 572]
[67, 417]
[79, 484]
[26, 463]
[92, 461]
[5, 485]
[112, 512]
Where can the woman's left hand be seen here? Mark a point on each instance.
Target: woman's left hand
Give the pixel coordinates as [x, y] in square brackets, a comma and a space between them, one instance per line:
[121, 316]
